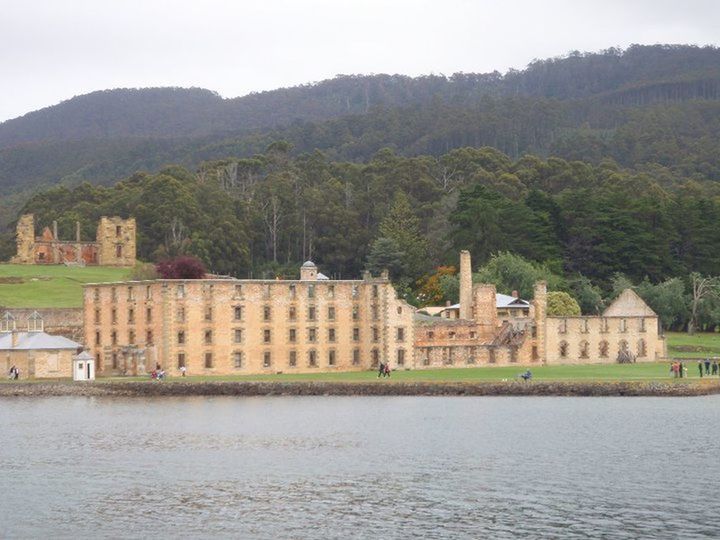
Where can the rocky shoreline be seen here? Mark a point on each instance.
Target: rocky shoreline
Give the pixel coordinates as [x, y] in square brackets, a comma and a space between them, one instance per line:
[380, 388]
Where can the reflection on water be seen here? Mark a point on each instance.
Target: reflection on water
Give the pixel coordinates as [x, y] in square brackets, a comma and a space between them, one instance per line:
[332, 467]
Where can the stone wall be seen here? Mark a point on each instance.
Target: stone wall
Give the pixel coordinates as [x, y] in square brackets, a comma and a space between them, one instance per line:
[25, 240]
[116, 241]
[66, 322]
[41, 364]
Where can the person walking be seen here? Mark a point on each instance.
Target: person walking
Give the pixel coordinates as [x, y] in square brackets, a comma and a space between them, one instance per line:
[681, 369]
[381, 370]
[700, 367]
[387, 369]
[707, 366]
[715, 367]
[183, 369]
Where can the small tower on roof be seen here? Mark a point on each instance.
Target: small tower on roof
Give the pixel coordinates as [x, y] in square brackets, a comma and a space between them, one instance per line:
[8, 323]
[308, 271]
[36, 323]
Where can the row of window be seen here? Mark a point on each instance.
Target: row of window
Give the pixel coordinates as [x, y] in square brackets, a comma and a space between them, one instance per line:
[208, 288]
[238, 359]
[604, 325]
[603, 349]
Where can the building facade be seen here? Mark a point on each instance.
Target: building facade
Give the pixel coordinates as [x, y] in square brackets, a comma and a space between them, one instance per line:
[114, 244]
[229, 326]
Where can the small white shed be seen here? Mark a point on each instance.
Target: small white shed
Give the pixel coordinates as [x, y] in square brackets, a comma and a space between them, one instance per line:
[83, 367]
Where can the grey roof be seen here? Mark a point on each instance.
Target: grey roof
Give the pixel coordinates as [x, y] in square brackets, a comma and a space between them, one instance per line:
[84, 356]
[35, 341]
[308, 264]
[322, 276]
[506, 301]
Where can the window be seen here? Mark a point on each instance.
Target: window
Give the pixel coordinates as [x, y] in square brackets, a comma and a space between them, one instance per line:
[331, 291]
[237, 359]
[584, 328]
[238, 291]
[642, 325]
[148, 292]
[113, 315]
[356, 334]
[267, 359]
[331, 335]
[401, 334]
[97, 316]
[238, 313]
[118, 251]
[208, 337]
[292, 358]
[131, 293]
[266, 335]
[131, 337]
[311, 313]
[208, 360]
[293, 291]
[356, 357]
[118, 231]
[375, 334]
[399, 310]
[311, 291]
[375, 355]
[149, 337]
[451, 335]
[431, 335]
[562, 326]
[604, 328]
[180, 315]
[180, 290]
[426, 359]
[312, 335]
[114, 360]
[266, 291]
[292, 313]
[266, 313]
[292, 335]
[113, 294]
[181, 360]
[641, 349]
[356, 313]
[331, 313]
[237, 335]
[312, 359]
[148, 315]
[584, 349]
[473, 335]
[375, 291]
[181, 337]
[355, 291]
[97, 338]
[208, 313]
[113, 338]
[449, 355]
[563, 349]
[331, 358]
[623, 325]
[131, 316]
[401, 357]
[603, 349]
[375, 313]
[96, 294]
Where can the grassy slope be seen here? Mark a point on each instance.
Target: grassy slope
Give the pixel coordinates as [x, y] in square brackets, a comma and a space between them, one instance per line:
[682, 345]
[51, 286]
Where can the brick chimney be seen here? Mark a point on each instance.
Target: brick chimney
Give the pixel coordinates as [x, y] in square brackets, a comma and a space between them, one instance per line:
[14, 338]
[515, 294]
[465, 285]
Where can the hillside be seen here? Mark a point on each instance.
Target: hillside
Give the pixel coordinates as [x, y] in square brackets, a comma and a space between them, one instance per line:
[618, 104]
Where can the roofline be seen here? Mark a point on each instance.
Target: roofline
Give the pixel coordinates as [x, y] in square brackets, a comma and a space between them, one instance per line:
[375, 280]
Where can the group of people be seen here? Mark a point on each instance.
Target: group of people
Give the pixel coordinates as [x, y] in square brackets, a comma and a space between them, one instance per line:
[710, 367]
[383, 370]
[678, 370]
[158, 373]
[14, 373]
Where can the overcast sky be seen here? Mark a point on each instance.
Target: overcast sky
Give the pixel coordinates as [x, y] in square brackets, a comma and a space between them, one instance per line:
[51, 50]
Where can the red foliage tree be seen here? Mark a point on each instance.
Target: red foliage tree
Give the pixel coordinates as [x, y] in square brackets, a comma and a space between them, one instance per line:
[181, 267]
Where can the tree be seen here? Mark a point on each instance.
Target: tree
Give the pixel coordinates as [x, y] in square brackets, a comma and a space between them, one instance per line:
[402, 226]
[588, 295]
[561, 304]
[385, 254]
[510, 272]
[701, 288]
[183, 267]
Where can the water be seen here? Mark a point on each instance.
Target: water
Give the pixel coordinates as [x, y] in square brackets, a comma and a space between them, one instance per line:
[356, 467]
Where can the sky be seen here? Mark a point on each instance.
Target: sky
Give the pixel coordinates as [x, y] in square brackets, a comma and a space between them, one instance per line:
[52, 50]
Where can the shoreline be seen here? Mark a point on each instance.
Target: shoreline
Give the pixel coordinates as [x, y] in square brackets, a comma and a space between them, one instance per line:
[274, 388]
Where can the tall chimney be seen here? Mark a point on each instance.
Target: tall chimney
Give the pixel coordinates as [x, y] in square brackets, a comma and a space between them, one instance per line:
[55, 235]
[77, 232]
[465, 285]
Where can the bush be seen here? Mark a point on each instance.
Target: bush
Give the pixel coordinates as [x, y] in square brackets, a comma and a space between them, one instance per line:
[182, 267]
[561, 304]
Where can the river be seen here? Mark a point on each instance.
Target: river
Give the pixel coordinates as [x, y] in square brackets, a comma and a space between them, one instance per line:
[360, 467]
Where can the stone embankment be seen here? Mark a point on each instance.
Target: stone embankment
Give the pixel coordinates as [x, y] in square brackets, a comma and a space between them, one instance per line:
[384, 388]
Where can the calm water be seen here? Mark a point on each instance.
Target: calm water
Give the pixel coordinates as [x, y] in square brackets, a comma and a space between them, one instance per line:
[330, 467]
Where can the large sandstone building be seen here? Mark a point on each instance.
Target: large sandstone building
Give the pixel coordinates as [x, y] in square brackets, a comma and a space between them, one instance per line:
[114, 244]
[227, 326]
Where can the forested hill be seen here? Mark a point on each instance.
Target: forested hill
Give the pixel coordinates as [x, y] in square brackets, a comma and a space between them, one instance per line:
[644, 107]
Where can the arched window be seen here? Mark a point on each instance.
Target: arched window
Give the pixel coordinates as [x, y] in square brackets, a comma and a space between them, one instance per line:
[584, 349]
[604, 347]
[641, 349]
[563, 349]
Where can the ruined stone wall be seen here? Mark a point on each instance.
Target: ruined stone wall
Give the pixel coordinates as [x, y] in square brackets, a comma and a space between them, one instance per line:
[580, 340]
[25, 240]
[68, 322]
[224, 327]
[116, 241]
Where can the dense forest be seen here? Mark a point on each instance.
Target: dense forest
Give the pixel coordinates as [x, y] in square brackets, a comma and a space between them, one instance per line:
[643, 106]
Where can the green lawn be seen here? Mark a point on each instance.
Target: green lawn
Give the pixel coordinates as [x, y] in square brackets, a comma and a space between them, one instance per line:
[50, 286]
[593, 372]
[700, 345]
